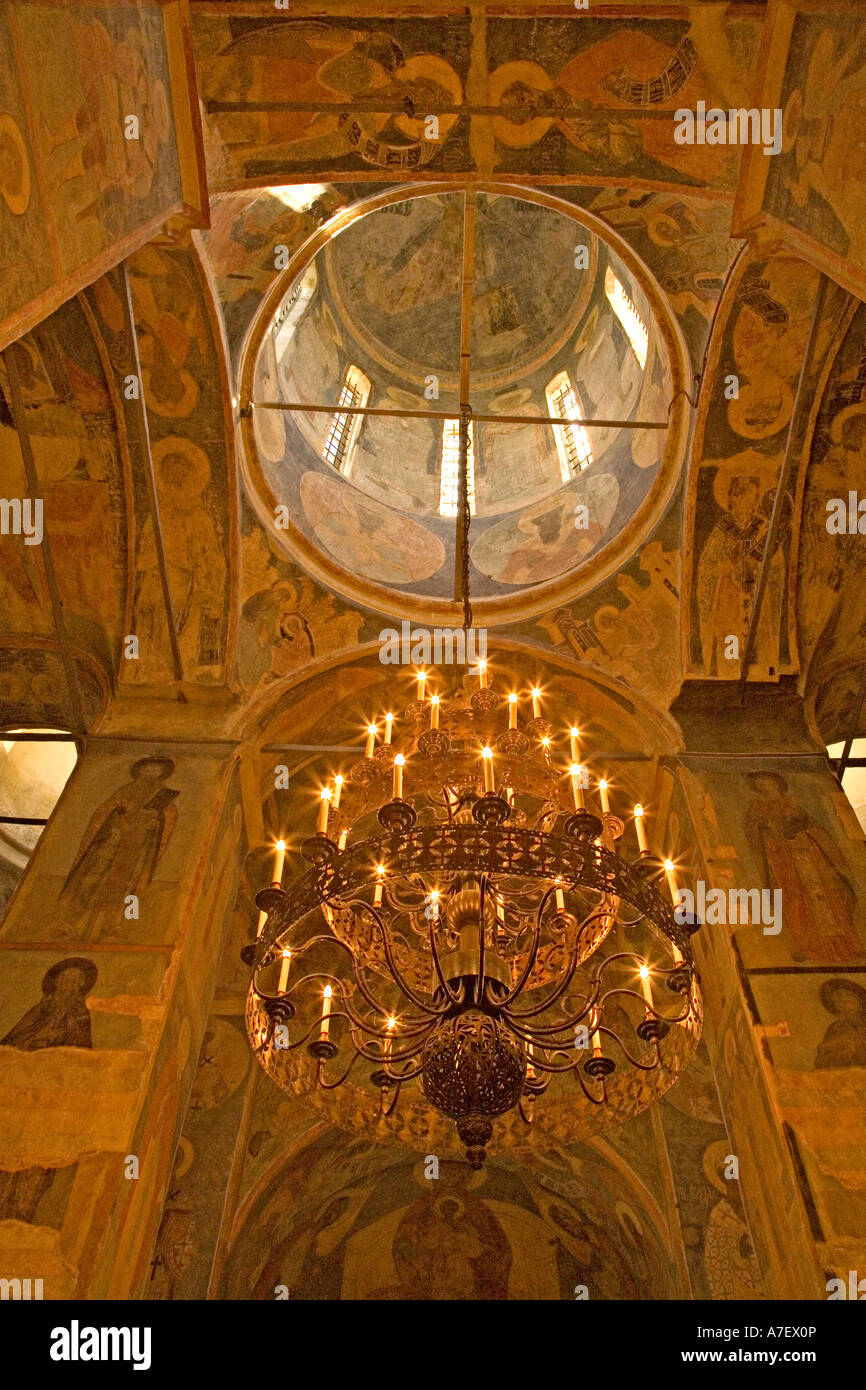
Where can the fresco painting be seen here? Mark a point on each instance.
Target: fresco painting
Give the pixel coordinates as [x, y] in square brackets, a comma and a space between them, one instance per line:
[811, 195]
[77, 194]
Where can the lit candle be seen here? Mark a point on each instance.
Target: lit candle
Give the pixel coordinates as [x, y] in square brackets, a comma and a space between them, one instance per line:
[487, 761]
[673, 887]
[575, 749]
[279, 860]
[512, 711]
[422, 681]
[391, 1024]
[324, 807]
[371, 740]
[640, 829]
[605, 799]
[434, 711]
[482, 675]
[399, 763]
[434, 904]
[284, 972]
[377, 895]
[576, 788]
[509, 795]
[596, 1036]
[530, 1069]
[536, 702]
[545, 743]
[560, 900]
[338, 787]
[389, 727]
[646, 986]
[344, 835]
[327, 992]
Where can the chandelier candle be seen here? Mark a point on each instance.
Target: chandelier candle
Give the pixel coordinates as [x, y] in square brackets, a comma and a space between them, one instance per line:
[560, 899]
[284, 972]
[326, 1013]
[324, 808]
[279, 861]
[338, 787]
[673, 886]
[646, 987]
[640, 829]
[389, 727]
[422, 681]
[390, 1025]
[576, 788]
[344, 835]
[371, 740]
[377, 894]
[512, 711]
[596, 1036]
[399, 763]
[482, 675]
[536, 702]
[434, 711]
[487, 760]
[605, 799]
[574, 734]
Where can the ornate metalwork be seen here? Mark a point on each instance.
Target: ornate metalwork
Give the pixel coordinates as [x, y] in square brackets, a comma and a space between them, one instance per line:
[480, 954]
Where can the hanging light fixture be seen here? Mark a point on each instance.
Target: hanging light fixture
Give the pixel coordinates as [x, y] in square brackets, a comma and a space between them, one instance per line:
[485, 944]
[485, 941]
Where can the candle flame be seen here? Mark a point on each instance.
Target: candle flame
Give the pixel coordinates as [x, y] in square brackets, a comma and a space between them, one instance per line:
[575, 769]
[603, 785]
[327, 992]
[434, 699]
[638, 810]
[326, 793]
[512, 699]
[644, 973]
[669, 865]
[372, 728]
[399, 760]
[486, 752]
[339, 779]
[535, 692]
[392, 1023]
[574, 731]
[280, 845]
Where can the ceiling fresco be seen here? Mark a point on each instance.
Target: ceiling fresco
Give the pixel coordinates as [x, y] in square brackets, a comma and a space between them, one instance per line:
[382, 522]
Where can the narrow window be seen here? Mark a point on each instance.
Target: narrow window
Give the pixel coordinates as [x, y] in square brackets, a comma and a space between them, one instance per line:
[572, 441]
[344, 428]
[633, 325]
[449, 489]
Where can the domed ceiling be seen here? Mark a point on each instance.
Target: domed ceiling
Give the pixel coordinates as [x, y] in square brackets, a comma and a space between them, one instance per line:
[379, 308]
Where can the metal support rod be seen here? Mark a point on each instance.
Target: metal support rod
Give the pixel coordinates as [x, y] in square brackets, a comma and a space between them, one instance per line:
[461, 552]
[150, 478]
[69, 669]
[23, 820]
[780, 494]
[454, 414]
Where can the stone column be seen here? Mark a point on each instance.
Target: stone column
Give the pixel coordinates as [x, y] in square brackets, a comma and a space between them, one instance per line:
[109, 951]
[784, 975]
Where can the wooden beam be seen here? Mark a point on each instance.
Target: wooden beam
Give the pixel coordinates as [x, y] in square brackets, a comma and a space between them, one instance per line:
[69, 669]
[150, 478]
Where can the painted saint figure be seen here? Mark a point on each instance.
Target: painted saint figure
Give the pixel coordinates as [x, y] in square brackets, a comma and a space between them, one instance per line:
[844, 1043]
[120, 848]
[799, 857]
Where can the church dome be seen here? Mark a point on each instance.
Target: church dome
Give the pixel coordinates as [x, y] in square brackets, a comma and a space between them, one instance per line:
[561, 326]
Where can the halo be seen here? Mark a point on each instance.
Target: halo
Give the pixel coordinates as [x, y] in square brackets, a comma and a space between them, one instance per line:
[17, 199]
[177, 444]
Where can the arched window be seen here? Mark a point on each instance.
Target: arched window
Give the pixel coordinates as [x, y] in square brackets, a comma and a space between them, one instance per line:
[854, 776]
[34, 767]
[292, 310]
[343, 432]
[572, 441]
[633, 324]
[449, 486]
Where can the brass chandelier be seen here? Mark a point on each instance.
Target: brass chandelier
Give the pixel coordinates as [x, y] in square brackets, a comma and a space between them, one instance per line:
[468, 939]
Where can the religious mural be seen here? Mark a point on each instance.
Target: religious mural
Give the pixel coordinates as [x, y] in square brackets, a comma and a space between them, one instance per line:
[811, 194]
[585, 105]
[81, 187]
